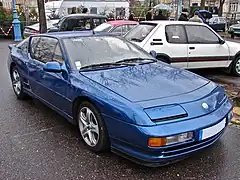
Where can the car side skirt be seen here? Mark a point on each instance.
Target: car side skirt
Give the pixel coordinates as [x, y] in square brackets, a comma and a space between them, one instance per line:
[203, 64]
[60, 112]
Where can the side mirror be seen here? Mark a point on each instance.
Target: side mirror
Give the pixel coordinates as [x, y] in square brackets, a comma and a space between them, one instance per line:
[221, 41]
[54, 29]
[153, 53]
[52, 67]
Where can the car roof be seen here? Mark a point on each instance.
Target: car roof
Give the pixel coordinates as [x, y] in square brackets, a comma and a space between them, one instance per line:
[172, 22]
[69, 34]
[121, 22]
[86, 15]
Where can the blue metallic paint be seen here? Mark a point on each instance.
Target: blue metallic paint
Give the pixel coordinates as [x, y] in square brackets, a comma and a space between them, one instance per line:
[128, 98]
[52, 67]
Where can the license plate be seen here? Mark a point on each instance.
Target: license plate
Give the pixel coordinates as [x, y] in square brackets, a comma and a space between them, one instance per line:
[213, 130]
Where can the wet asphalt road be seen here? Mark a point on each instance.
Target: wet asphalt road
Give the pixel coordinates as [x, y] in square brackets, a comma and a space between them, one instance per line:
[36, 143]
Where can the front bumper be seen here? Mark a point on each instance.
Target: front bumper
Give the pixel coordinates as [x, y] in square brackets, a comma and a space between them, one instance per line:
[131, 140]
[170, 155]
[234, 32]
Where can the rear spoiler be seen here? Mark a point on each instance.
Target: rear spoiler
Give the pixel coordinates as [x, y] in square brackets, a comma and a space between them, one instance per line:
[10, 46]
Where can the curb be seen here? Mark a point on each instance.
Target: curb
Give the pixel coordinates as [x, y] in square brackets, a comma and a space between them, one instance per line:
[236, 116]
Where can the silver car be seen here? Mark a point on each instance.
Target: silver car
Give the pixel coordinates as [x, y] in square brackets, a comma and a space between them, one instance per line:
[34, 29]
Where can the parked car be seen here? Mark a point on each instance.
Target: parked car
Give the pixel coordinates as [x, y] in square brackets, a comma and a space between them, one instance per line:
[117, 27]
[76, 22]
[218, 23]
[234, 30]
[205, 15]
[34, 29]
[187, 45]
[120, 96]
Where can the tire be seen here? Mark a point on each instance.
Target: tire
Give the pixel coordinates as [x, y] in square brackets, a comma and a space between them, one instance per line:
[93, 130]
[236, 66]
[17, 84]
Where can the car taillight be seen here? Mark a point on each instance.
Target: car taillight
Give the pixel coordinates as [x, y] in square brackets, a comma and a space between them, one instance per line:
[31, 31]
[35, 32]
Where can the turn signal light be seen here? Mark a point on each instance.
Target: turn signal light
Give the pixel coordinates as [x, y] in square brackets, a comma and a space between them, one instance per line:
[157, 142]
[179, 138]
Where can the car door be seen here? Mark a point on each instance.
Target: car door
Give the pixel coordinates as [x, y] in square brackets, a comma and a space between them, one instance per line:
[50, 87]
[213, 23]
[171, 45]
[176, 45]
[205, 48]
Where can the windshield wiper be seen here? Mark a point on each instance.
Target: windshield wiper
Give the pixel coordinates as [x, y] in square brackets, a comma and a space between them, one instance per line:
[104, 65]
[136, 39]
[137, 60]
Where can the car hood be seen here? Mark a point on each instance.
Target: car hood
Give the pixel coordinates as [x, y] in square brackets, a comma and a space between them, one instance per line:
[147, 82]
[235, 26]
[37, 26]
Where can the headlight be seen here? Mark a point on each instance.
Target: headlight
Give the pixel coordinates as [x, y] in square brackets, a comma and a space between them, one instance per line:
[158, 142]
[230, 116]
[167, 112]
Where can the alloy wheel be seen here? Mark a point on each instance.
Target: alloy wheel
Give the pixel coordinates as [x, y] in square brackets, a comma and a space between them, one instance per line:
[238, 66]
[16, 82]
[88, 126]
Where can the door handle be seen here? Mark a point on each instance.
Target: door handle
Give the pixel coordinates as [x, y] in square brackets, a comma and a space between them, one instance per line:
[156, 43]
[191, 47]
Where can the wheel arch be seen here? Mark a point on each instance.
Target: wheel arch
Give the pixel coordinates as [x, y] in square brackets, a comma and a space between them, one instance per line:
[12, 65]
[164, 56]
[236, 55]
[77, 101]
[233, 59]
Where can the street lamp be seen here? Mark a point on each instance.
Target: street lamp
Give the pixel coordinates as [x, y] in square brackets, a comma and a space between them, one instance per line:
[16, 23]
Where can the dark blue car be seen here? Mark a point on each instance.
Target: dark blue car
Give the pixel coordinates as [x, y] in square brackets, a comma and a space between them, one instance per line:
[120, 96]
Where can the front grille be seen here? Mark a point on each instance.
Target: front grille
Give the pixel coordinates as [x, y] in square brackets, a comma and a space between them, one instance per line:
[191, 147]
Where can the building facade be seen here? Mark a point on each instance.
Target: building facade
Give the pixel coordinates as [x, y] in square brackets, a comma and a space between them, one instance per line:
[7, 4]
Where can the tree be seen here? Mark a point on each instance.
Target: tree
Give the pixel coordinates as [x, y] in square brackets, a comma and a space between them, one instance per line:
[42, 16]
[202, 4]
[220, 9]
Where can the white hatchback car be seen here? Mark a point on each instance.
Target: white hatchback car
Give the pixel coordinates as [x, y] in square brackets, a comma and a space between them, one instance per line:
[187, 44]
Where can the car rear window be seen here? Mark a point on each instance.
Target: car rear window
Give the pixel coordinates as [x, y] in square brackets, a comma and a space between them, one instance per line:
[105, 27]
[140, 32]
[222, 20]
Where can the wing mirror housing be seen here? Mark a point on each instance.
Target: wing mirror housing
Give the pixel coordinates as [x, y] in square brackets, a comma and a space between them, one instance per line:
[221, 41]
[54, 67]
[153, 53]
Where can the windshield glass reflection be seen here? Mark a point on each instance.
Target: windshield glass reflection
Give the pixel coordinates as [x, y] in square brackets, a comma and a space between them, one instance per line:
[85, 51]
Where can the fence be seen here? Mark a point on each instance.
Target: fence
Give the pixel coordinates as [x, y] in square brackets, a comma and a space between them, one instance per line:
[6, 28]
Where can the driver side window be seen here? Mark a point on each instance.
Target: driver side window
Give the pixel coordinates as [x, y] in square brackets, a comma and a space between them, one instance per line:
[43, 49]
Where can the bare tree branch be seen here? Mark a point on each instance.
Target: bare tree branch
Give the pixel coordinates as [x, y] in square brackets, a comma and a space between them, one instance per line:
[221, 3]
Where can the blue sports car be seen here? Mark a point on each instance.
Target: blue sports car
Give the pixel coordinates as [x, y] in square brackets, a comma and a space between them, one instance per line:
[120, 96]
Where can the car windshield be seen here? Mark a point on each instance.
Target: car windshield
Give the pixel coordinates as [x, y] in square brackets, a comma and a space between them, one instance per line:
[96, 50]
[105, 27]
[139, 32]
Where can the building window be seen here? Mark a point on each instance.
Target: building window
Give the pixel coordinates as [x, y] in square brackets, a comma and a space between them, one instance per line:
[233, 7]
